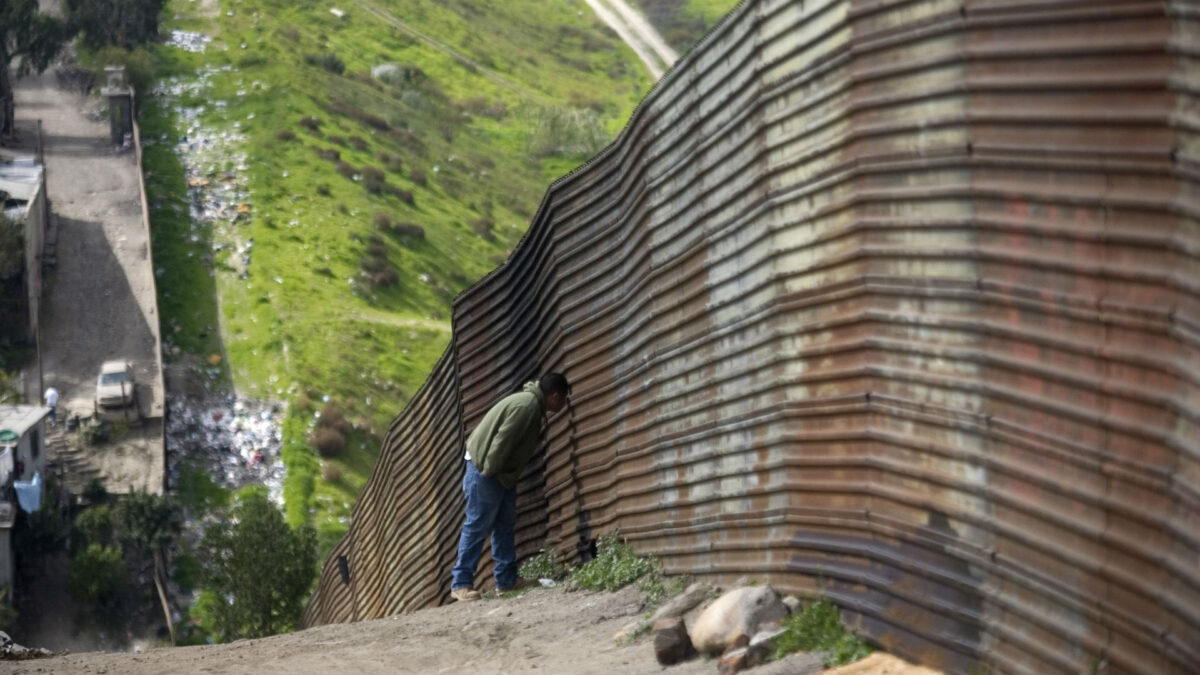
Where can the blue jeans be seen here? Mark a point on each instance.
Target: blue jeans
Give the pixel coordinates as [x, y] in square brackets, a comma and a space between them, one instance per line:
[491, 510]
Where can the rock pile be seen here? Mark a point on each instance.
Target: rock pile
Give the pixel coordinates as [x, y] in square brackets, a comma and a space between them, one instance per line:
[739, 625]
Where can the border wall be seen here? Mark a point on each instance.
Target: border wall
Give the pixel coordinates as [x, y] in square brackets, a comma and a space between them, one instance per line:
[897, 301]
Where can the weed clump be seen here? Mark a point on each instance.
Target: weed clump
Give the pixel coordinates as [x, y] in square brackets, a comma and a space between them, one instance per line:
[285, 135]
[383, 221]
[323, 190]
[345, 170]
[544, 565]
[328, 61]
[310, 123]
[359, 143]
[615, 566]
[329, 154]
[417, 176]
[818, 628]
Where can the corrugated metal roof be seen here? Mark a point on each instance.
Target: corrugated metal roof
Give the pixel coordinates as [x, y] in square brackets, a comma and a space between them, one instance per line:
[19, 419]
[893, 300]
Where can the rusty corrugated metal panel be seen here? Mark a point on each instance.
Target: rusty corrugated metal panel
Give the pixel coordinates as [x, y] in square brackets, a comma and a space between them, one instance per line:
[898, 300]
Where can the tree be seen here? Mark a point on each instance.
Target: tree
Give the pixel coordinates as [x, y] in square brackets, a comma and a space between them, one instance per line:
[118, 23]
[97, 574]
[149, 524]
[31, 40]
[257, 571]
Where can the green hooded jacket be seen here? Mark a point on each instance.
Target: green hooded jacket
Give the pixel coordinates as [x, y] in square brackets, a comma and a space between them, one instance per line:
[508, 435]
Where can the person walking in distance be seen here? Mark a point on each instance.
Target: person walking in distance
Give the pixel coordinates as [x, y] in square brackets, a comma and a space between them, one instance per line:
[497, 451]
[51, 397]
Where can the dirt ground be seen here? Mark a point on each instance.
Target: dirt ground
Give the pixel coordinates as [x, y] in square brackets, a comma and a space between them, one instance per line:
[98, 300]
[543, 630]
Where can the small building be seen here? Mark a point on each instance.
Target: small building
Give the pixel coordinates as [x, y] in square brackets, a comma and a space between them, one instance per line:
[22, 457]
[23, 206]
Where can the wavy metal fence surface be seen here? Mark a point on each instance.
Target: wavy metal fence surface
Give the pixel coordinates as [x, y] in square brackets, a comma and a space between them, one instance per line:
[897, 300]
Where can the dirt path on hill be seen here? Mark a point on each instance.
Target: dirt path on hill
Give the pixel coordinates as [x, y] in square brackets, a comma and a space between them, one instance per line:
[543, 631]
[636, 32]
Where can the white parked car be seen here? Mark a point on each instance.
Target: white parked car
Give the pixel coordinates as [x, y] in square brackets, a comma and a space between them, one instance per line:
[115, 388]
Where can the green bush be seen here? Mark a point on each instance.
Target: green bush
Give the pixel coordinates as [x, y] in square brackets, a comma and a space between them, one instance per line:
[818, 628]
[327, 61]
[96, 574]
[615, 566]
[544, 565]
[97, 525]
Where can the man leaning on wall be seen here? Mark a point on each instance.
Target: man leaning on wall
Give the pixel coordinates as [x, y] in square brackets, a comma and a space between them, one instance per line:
[497, 452]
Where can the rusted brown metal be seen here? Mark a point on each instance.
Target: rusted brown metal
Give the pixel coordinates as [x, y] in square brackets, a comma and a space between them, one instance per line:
[895, 300]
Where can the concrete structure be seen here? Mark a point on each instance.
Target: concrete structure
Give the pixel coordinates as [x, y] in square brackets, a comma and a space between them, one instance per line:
[22, 456]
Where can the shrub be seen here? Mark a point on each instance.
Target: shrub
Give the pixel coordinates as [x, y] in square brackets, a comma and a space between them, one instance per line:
[97, 525]
[382, 220]
[310, 123]
[345, 170]
[332, 418]
[818, 628]
[417, 176]
[373, 179]
[392, 162]
[615, 566]
[329, 154]
[290, 32]
[358, 143]
[323, 190]
[96, 574]
[95, 492]
[377, 249]
[338, 140]
[481, 107]
[358, 114]
[408, 139]
[332, 473]
[409, 230]
[383, 278]
[560, 130]
[285, 135]
[544, 565]
[328, 61]
[328, 442]
[483, 227]
[403, 195]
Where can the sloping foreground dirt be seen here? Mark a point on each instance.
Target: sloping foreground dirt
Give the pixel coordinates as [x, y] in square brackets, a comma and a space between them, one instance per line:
[544, 630]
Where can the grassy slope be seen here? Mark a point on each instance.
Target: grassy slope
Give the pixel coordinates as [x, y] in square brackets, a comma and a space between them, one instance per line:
[297, 328]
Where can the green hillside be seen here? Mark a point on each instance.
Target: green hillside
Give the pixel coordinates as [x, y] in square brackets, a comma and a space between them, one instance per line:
[349, 175]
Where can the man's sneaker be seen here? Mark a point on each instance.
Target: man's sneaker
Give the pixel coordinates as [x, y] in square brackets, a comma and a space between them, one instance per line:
[521, 585]
[464, 594]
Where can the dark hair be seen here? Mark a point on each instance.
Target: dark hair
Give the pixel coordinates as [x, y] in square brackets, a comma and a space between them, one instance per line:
[554, 383]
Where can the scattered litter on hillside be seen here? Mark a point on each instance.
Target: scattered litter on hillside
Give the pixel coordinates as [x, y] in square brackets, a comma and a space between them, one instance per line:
[214, 164]
[236, 440]
[189, 42]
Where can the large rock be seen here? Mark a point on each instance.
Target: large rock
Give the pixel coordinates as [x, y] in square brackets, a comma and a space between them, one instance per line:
[739, 612]
[684, 602]
[671, 642]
